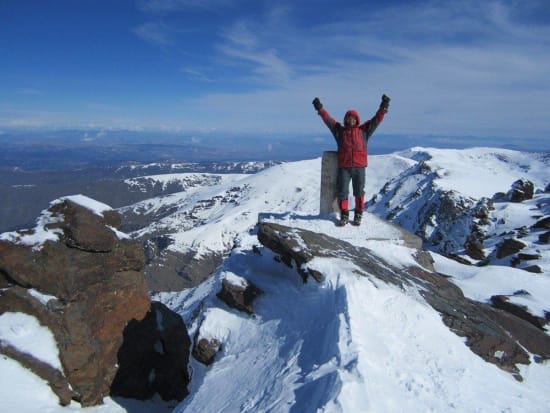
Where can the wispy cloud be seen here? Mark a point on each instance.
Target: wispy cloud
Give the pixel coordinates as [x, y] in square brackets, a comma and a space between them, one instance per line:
[242, 44]
[199, 75]
[464, 68]
[451, 68]
[155, 32]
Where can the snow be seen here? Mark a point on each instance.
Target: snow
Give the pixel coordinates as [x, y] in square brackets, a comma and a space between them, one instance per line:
[23, 332]
[481, 283]
[348, 344]
[43, 298]
[92, 205]
[39, 235]
[461, 170]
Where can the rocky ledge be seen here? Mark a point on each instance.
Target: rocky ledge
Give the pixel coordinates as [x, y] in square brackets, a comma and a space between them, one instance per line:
[496, 335]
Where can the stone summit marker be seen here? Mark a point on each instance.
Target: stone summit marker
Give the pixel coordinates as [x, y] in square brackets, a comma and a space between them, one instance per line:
[329, 174]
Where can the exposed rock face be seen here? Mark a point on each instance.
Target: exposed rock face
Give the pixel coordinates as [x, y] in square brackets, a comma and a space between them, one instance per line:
[474, 248]
[491, 333]
[543, 223]
[239, 296]
[521, 190]
[94, 285]
[460, 226]
[503, 302]
[509, 247]
[154, 357]
[205, 350]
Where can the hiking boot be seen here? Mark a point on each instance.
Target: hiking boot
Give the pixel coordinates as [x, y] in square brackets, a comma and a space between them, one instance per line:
[344, 218]
[357, 218]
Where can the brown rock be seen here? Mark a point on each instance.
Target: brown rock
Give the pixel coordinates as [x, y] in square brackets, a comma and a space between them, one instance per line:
[474, 248]
[521, 190]
[57, 382]
[544, 238]
[509, 247]
[240, 297]
[98, 286]
[205, 350]
[543, 223]
[503, 302]
[535, 269]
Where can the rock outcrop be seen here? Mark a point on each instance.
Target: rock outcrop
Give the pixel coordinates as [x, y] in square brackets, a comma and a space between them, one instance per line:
[239, 296]
[521, 190]
[495, 335]
[83, 279]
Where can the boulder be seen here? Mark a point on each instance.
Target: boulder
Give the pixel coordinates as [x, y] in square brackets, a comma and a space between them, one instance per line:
[521, 190]
[205, 350]
[535, 269]
[544, 238]
[239, 295]
[474, 248]
[521, 311]
[83, 280]
[543, 223]
[509, 247]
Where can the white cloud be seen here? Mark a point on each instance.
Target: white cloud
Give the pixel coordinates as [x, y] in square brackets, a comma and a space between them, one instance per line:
[458, 68]
[451, 68]
[154, 32]
[197, 74]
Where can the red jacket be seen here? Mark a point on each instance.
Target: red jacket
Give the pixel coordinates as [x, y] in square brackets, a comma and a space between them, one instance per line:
[352, 141]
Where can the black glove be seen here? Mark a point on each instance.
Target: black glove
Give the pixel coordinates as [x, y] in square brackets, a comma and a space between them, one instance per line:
[385, 104]
[317, 104]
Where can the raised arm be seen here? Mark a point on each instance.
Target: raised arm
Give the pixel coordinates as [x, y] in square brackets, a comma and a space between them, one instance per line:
[331, 123]
[370, 126]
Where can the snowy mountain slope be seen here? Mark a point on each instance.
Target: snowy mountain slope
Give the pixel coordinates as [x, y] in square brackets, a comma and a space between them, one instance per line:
[202, 221]
[448, 197]
[187, 233]
[344, 345]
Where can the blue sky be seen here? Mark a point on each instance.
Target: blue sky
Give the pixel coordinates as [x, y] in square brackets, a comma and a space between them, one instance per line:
[452, 68]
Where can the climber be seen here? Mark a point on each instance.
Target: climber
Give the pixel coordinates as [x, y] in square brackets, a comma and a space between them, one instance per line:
[352, 139]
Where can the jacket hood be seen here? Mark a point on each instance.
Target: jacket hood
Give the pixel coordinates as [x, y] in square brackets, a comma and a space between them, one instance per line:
[353, 113]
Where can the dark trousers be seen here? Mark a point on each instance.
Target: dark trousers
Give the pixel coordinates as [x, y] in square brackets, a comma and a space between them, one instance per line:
[357, 178]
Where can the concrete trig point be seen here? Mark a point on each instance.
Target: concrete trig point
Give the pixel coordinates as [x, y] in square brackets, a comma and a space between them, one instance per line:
[329, 176]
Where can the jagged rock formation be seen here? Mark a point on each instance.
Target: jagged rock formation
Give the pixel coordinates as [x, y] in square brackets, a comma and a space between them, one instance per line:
[497, 336]
[469, 230]
[239, 296]
[521, 190]
[83, 280]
